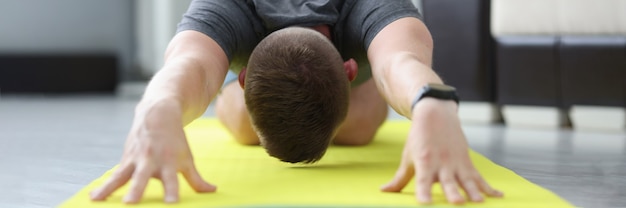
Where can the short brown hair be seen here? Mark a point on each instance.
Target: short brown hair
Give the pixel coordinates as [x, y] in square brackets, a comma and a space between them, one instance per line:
[296, 92]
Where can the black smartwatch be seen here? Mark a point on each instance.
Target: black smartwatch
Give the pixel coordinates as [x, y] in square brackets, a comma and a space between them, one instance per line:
[439, 91]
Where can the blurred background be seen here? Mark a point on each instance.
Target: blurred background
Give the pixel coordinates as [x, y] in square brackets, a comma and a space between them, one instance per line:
[512, 61]
[542, 85]
[128, 37]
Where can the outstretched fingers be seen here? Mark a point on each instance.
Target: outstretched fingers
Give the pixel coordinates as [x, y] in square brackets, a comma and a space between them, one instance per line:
[403, 176]
[120, 176]
[195, 180]
[487, 189]
[170, 185]
[468, 184]
[423, 187]
[141, 176]
[450, 186]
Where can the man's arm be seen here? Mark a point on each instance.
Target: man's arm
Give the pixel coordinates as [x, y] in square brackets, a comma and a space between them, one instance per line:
[194, 69]
[156, 146]
[401, 56]
[436, 149]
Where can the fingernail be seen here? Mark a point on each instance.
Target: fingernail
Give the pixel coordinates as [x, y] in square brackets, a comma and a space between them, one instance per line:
[391, 188]
[424, 199]
[457, 201]
[171, 199]
[95, 194]
[499, 193]
[212, 188]
[128, 199]
[207, 187]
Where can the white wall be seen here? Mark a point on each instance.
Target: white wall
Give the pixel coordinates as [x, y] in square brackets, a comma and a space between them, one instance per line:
[68, 26]
[418, 4]
[156, 22]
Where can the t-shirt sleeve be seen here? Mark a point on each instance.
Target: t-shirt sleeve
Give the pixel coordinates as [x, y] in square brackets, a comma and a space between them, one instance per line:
[229, 23]
[360, 21]
[370, 17]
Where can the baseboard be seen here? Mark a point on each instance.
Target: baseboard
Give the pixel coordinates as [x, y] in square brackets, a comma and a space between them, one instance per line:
[478, 113]
[598, 118]
[58, 73]
[533, 116]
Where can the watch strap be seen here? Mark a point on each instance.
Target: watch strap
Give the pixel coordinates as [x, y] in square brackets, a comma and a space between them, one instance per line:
[428, 91]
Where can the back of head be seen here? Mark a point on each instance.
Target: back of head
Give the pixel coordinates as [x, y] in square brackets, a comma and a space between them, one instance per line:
[296, 92]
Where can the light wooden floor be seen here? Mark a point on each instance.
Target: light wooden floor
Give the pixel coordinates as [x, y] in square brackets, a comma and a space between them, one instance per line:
[50, 147]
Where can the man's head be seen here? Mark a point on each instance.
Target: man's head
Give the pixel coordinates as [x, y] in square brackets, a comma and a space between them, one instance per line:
[296, 91]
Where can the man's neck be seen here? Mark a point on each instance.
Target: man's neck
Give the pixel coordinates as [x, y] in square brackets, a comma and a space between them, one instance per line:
[324, 29]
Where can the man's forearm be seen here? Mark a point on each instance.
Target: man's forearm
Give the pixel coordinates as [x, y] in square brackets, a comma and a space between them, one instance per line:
[193, 73]
[401, 55]
[180, 84]
[402, 78]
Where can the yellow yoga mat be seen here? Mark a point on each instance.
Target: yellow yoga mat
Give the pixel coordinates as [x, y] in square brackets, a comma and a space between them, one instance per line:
[347, 176]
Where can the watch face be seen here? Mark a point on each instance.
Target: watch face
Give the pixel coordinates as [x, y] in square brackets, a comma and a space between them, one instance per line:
[441, 87]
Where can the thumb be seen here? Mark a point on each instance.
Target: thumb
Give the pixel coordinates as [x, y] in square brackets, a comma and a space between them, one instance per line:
[403, 176]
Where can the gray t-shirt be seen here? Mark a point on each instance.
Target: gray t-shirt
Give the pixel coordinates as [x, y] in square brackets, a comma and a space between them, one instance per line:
[239, 25]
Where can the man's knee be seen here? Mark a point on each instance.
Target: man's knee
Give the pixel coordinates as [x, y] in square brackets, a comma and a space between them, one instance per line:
[231, 110]
[368, 110]
[360, 129]
[246, 138]
[356, 137]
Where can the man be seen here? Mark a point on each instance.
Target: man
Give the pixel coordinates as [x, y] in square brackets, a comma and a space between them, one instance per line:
[290, 54]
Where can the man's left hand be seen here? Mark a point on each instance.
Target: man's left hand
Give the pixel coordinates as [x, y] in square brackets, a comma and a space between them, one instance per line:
[436, 150]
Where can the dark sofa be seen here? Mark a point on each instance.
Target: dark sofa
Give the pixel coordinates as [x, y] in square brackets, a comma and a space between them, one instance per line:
[544, 69]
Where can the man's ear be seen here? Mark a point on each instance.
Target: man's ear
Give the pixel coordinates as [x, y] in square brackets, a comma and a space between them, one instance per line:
[351, 68]
[242, 77]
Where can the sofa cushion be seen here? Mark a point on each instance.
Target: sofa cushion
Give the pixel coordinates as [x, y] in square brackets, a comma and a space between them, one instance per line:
[585, 17]
[593, 70]
[558, 17]
[527, 70]
[523, 17]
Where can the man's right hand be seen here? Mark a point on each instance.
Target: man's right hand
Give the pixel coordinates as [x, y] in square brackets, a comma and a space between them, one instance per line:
[156, 147]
